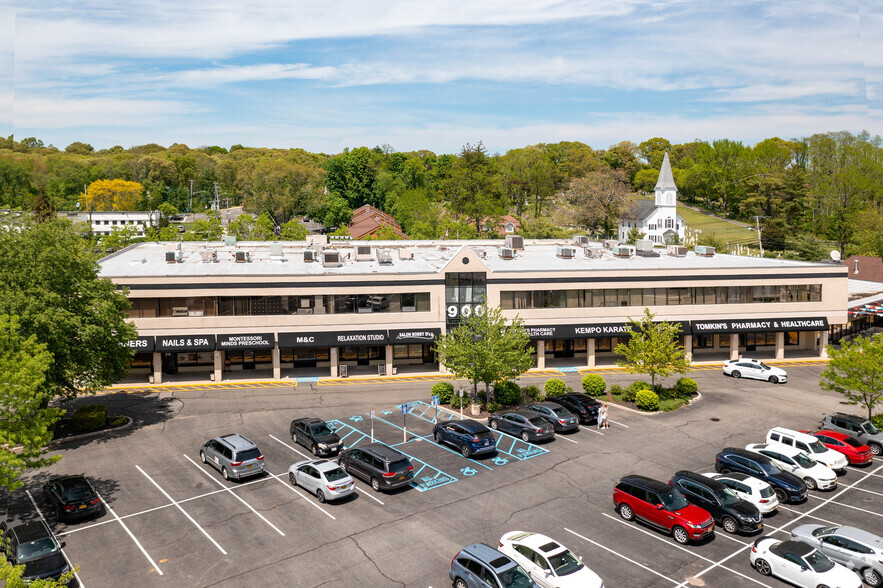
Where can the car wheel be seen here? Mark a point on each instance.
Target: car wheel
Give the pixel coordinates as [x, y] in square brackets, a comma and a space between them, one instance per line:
[876, 449]
[626, 512]
[314, 449]
[320, 496]
[494, 425]
[725, 471]
[781, 495]
[375, 484]
[292, 479]
[762, 566]
[225, 474]
[736, 374]
[524, 436]
[437, 436]
[729, 525]
[680, 535]
[459, 583]
[464, 449]
[774, 380]
[822, 586]
[871, 577]
[810, 483]
[202, 456]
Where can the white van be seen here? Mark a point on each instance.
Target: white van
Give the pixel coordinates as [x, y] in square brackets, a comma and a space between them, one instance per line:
[810, 446]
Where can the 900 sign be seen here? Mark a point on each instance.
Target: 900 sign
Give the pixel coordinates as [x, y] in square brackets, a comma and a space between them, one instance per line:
[464, 310]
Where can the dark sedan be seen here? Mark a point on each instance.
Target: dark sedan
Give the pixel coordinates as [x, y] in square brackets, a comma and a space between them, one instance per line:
[316, 435]
[584, 407]
[522, 423]
[562, 419]
[470, 437]
[71, 497]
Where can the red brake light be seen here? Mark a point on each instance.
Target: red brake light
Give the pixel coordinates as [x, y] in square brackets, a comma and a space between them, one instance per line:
[235, 463]
[562, 421]
[388, 474]
[68, 508]
[753, 549]
[332, 488]
[455, 557]
[260, 457]
[95, 500]
[410, 468]
[764, 500]
[475, 439]
[501, 543]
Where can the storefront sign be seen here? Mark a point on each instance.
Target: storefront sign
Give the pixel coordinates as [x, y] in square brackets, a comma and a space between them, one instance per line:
[185, 343]
[332, 339]
[142, 344]
[413, 336]
[251, 341]
[549, 332]
[590, 331]
[759, 325]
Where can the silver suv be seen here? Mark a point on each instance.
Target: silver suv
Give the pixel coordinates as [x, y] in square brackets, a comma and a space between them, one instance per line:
[858, 427]
[233, 455]
[852, 547]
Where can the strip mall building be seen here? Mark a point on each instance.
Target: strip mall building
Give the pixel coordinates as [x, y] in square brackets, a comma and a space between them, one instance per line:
[313, 309]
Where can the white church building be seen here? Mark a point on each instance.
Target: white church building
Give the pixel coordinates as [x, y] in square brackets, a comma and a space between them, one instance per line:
[658, 220]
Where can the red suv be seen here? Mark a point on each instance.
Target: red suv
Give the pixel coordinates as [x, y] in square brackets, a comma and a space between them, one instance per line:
[661, 506]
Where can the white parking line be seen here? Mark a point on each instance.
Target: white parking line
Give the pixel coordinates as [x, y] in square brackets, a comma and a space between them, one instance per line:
[292, 448]
[869, 491]
[702, 557]
[838, 503]
[296, 491]
[565, 438]
[63, 554]
[810, 516]
[368, 494]
[640, 565]
[120, 521]
[618, 423]
[184, 512]
[233, 494]
[590, 429]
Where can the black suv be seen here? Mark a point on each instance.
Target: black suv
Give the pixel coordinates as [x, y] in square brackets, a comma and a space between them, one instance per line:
[378, 464]
[728, 510]
[584, 407]
[316, 435]
[788, 487]
[33, 545]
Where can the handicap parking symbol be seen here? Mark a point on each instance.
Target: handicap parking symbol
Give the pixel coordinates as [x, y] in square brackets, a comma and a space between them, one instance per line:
[500, 461]
[387, 412]
[356, 418]
[467, 471]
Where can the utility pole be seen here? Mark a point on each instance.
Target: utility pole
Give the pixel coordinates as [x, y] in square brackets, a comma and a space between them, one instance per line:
[190, 196]
[759, 240]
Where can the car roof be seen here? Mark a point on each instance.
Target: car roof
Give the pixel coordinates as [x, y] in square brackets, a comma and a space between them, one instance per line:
[536, 541]
[308, 420]
[861, 535]
[31, 530]
[548, 404]
[525, 413]
[709, 483]
[744, 453]
[645, 482]
[849, 417]
[798, 548]
[237, 441]
[471, 426]
[383, 451]
[323, 465]
[833, 434]
[779, 448]
[72, 481]
[487, 554]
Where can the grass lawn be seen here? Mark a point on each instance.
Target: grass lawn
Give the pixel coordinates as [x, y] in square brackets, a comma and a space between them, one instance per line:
[724, 230]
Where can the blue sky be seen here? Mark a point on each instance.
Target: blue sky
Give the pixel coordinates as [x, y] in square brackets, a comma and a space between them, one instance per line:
[421, 75]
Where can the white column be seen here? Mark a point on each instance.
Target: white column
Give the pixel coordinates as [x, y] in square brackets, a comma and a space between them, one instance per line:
[277, 363]
[734, 346]
[157, 367]
[541, 354]
[219, 365]
[688, 344]
[389, 356]
[590, 353]
[780, 345]
[823, 344]
[333, 355]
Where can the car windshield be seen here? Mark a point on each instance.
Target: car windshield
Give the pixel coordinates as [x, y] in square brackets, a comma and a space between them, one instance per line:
[319, 430]
[248, 454]
[484, 435]
[763, 365]
[870, 429]
[817, 447]
[824, 531]
[852, 442]
[78, 492]
[565, 563]
[399, 466]
[804, 461]
[515, 578]
[766, 492]
[35, 549]
[727, 497]
[335, 475]
[819, 562]
[770, 468]
[672, 500]
[537, 422]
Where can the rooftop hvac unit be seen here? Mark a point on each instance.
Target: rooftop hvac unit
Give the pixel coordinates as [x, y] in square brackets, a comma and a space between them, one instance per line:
[646, 253]
[624, 251]
[593, 252]
[565, 252]
[610, 243]
[363, 253]
[276, 252]
[704, 250]
[384, 257]
[241, 256]
[677, 250]
[229, 240]
[507, 253]
[514, 242]
[208, 255]
[581, 240]
[406, 253]
[310, 256]
[173, 256]
[331, 259]
[644, 245]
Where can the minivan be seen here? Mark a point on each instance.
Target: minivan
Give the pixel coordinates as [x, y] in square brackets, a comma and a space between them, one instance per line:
[479, 565]
[811, 446]
[234, 455]
[726, 508]
[380, 465]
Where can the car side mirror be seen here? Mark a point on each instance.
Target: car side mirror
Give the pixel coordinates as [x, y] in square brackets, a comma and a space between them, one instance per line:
[659, 507]
[548, 571]
[62, 545]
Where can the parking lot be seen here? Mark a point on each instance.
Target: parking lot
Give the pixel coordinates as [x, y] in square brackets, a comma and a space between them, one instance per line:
[171, 520]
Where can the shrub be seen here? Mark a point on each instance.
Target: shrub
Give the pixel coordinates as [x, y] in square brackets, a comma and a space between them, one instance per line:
[444, 391]
[481, 397]
[594, 385]
[533, 392]
[671, 404]
[118, 421]
[493, 406]
[630, 394]
[647, 400]
[507, 393]
[455, 401]
[88, 418]
[616, 391]
[877, 419]
[555, 387]
[687, 386]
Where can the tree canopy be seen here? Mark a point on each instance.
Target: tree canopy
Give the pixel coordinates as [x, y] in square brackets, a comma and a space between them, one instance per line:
[855, 370]
[653, 349]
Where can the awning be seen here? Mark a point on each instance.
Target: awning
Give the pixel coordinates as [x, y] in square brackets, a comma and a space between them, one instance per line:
[185, 343]
[248, 341]
[759, 325]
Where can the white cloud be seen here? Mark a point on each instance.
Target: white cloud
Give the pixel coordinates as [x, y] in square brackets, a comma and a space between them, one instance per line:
[772, 92]
[51, 113]
[249, 73]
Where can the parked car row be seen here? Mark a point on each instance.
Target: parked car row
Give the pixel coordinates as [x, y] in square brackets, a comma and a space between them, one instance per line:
[540, 421]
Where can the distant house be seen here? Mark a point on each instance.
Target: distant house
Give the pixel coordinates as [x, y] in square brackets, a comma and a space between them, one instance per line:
[658, 219]
[508, 225]
[865, 267]
[104, 222]
[368, 220]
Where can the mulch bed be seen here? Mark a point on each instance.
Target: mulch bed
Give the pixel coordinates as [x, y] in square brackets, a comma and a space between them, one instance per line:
[64, 427]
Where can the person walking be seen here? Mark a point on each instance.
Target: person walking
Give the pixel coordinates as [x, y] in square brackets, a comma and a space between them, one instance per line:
[602, 417]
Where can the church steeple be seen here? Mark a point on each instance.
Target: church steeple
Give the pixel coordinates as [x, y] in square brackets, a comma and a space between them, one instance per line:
[666, 191]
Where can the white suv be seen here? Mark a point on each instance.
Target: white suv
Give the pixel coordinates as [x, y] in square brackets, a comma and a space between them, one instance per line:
[810, 446]
[816, 475]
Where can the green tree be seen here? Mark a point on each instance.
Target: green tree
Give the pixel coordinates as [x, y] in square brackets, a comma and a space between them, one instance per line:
[293, 231]
[49, 279]
[26, 422]
[634, 234]
[208, 229]
[473, 189]
[653, 349]
[856, 371]
[12, 577]
[486, 348]
[599, 199]
[118, 238]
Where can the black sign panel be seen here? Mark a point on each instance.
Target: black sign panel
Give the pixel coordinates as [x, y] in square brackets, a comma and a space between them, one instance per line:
[332, 339]
[142, 344]
[248, 341]
[549, 332]
[413, 336]
[753, 325]
[590, 330]
[185, 343]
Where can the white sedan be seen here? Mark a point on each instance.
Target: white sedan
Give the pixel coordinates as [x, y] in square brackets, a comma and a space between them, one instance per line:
[815, 475]
[749, 489]
[800, 564]
[323, 478]
[549, 564]
[755, 369]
